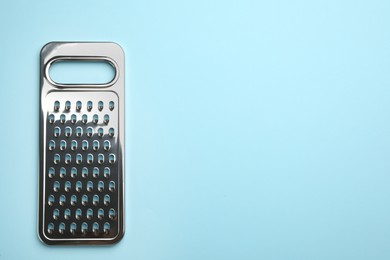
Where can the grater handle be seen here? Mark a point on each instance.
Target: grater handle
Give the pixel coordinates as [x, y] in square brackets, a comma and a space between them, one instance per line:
[108, 52]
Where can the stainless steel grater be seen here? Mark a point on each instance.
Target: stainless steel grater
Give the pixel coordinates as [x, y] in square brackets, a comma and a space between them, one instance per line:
[81, 169]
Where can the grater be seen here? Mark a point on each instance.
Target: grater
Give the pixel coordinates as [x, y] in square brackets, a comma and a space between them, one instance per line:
[81, 169]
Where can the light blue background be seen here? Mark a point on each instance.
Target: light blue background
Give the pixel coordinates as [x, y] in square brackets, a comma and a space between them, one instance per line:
[255, 129]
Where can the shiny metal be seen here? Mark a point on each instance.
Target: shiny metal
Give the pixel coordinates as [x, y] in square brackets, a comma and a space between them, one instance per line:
[81, 135]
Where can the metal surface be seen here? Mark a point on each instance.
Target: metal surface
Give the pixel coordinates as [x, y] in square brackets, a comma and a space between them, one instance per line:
[81, 168]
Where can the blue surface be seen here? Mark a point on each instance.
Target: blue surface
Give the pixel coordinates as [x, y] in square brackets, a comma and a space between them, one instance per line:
[255, 129]
[76, 72]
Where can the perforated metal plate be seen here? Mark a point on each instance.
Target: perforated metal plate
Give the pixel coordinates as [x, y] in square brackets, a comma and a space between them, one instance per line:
[81, 182]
